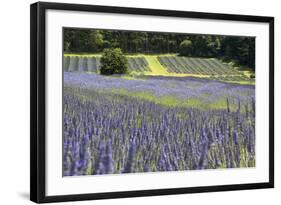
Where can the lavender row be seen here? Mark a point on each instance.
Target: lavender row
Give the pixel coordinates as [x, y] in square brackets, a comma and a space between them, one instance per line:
[111, 134]
[208, 91]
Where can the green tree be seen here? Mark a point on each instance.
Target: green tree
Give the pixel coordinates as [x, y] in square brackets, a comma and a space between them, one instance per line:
[185, 48]
[96, 41]
[113, 61]
[238, 49]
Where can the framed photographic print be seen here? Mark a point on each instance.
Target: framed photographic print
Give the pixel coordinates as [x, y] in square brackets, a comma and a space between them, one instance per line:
[129, 102]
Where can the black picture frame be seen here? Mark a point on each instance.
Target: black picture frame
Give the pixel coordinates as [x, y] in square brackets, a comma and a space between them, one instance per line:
[38, 101]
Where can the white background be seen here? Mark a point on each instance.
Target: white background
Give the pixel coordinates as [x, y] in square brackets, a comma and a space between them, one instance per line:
[14, 108]
[56, 185]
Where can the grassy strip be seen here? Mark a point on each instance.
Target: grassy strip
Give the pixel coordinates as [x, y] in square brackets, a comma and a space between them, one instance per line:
[155, 67]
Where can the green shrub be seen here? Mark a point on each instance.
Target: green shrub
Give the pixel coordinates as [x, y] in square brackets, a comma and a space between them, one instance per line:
[113, 61]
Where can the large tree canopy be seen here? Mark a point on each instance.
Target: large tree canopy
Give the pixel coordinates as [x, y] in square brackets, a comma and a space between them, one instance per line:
[238, 49]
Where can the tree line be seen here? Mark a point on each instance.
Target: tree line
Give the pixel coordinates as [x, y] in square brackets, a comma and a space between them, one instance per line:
[240, 50]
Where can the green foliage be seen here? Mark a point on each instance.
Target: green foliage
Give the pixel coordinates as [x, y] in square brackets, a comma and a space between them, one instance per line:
[200, 46]
[185, 48]
[113, 62]
[96, 40]
[240, 50]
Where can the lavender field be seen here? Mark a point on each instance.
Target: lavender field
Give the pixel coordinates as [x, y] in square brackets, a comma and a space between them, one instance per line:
[115, 125]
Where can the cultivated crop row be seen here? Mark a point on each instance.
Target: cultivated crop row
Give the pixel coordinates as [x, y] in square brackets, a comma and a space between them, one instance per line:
[177, 64]
[92, 64]
[184, 88]
[81, 64]
[138, 64]
[106, 133]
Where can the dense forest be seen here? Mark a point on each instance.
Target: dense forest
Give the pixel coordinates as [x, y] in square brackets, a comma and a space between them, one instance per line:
[240, 50]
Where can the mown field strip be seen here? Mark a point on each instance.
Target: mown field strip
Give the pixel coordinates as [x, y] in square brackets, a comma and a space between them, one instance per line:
[154, 65]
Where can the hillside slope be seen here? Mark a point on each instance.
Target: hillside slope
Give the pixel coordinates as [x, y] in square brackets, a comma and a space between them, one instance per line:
[163, 65]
